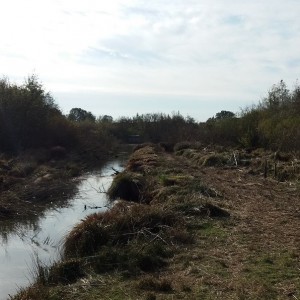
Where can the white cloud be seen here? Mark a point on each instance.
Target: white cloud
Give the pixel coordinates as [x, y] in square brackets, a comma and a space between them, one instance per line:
[233, 50]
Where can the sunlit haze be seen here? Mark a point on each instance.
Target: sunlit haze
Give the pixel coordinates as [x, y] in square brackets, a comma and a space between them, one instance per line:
[122, 57]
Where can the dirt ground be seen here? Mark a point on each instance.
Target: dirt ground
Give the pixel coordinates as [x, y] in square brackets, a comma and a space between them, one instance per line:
[255, 253]
[263, 245]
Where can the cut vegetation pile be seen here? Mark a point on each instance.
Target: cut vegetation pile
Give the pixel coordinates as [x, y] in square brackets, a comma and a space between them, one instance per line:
[200, 223]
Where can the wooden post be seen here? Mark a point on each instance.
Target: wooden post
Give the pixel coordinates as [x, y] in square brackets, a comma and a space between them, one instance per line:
[235, 160]
[265, 168]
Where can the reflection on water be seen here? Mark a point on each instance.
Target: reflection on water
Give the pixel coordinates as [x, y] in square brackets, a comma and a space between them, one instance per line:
[42, 236]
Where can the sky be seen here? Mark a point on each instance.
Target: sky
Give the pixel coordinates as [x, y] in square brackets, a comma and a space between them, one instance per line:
[122, 57]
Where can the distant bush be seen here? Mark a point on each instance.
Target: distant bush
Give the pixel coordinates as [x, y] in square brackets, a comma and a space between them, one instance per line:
[156, 128]
[274, 123]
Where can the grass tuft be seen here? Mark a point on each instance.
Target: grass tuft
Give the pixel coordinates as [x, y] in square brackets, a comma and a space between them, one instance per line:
[65, 272]
[126, 186]
[214, 160]
[117, 226]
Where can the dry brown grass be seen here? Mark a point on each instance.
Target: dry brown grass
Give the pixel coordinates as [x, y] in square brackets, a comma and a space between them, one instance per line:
[122, 223]
[143, 159]
[252, 253]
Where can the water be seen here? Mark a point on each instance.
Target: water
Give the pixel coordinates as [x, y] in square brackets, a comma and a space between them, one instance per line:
[20, 244]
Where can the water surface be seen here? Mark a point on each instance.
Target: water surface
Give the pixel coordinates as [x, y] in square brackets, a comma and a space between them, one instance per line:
[21, 243]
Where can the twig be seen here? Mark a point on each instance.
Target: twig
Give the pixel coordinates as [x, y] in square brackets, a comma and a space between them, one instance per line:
[155, 236]
[116, 171]
[100, 190]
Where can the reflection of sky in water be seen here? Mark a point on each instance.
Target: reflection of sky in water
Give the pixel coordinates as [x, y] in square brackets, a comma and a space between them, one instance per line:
[19, 247]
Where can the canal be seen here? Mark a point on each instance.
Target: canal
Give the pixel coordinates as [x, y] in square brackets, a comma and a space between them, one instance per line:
[23, 243]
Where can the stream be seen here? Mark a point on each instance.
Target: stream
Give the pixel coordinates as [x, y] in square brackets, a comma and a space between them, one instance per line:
[21, 244]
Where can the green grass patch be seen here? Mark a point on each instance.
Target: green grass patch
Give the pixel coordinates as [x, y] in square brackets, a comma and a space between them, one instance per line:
[210, 229]
[274, 268]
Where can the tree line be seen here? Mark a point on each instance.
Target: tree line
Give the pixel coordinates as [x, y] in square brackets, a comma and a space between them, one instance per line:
[30, 118]
[273, 123]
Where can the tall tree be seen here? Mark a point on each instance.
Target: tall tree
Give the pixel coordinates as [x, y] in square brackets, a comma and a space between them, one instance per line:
[80, 115]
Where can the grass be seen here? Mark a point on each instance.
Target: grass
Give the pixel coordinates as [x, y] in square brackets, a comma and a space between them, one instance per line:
[65, 272]
[213, 160]
[34, 292]
[126, 186]
[117, 226]
[144, 158]
[273, 269]
[208, 231]
[154, 284]
[202, 209]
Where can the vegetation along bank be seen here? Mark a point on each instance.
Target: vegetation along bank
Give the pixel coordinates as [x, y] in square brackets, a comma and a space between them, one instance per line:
[199, 222]
[215, 217]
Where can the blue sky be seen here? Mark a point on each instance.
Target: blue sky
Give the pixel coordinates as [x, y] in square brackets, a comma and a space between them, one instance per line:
[122, 57]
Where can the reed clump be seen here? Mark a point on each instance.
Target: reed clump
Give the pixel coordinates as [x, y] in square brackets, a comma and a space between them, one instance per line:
[127, 186]
[131, 238]
[120, 225]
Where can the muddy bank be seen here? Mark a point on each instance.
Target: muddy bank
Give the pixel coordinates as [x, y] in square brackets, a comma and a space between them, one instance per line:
[37, 180]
